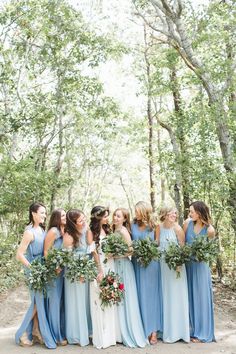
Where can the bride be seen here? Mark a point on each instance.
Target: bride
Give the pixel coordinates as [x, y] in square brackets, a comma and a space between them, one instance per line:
[106, 331]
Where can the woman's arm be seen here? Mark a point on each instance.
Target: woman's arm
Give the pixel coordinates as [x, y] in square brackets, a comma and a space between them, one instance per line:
[185, 225]
[157, 234]
[210, 231]
[95, 255]
[68, 241]
[126, 235]
[27, 238]
[49, 241]
[180, 234]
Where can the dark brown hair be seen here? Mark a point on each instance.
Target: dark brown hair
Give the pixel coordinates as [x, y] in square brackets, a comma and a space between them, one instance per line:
[71, 217]
[97, 213]
[203, 211]
[33, 209]
[55, 219]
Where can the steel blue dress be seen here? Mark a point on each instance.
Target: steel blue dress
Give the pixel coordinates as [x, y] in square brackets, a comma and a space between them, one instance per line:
[131, 327]
[175, 295]
[35, 250]
[148, 281]
[200, 294]
[55, 300]
[77, 305]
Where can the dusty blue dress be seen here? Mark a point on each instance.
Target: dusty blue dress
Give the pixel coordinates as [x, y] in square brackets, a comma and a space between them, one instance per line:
[175, 295]
[77, 305]
[200, 294]
[35, 250]
[55, 300]
[130, 321]
[148, 281]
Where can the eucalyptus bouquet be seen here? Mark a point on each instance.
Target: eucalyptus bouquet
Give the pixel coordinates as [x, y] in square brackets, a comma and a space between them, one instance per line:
[57, 259]
[204, 249]
[146, 250]
[114, 245]
[175, 256]
[37, 275]
[81, 268]
[111, 289]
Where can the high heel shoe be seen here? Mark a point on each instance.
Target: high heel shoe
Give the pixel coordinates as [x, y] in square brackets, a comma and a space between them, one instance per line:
[24, 341]
[62, 343]
[37, 338]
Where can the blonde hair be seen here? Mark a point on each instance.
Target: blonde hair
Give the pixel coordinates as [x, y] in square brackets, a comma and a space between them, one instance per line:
[146, 212]
[165, 209]
[126, 215]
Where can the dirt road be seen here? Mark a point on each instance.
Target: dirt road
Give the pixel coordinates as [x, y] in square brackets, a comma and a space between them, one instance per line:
[13, 307]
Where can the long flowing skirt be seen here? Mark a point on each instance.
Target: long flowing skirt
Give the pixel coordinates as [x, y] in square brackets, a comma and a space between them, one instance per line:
[37, 298]
[130, 321]
[77, 313]
[175, 305]
[149, 287]
[200, 301]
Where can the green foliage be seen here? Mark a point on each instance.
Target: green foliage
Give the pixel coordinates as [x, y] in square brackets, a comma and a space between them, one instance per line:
[204, 249]
[114, 245]
[56, 260]
[81, 268]
[175, 256]
[145, 251]
[10, 274]
[37, 275]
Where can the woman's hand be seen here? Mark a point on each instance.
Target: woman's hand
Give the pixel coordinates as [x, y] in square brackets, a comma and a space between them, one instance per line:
[99, 277]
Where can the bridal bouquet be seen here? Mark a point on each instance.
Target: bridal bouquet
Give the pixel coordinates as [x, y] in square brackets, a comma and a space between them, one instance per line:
[145, 251]
[204, 249]
[114, 245]
[81, 268]
[111, 289]
[37, 275]
[57, 259]
[175, 256]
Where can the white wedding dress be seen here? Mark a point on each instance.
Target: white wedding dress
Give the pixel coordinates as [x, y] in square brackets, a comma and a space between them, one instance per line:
[106, 330]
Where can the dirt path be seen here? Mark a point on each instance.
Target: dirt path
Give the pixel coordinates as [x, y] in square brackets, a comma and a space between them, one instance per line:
[13, 307]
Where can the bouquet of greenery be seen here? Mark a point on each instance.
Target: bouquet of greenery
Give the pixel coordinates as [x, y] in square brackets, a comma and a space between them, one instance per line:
[204, 249]
[111, 289]
[81, 268]
[175, 256]
[114, 245]
[146, 250]
[37, 275]
[57, 259]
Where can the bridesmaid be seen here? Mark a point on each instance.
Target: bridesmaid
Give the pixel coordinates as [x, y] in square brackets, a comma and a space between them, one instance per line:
[34, 328]
[199, 277]
[55, 291]
[148, 279]
[106, 331]
[77, 310]
[175, 290]
[130, 321]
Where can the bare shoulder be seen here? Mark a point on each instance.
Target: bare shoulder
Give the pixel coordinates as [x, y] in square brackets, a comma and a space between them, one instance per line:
[177, 228]
[28, 236]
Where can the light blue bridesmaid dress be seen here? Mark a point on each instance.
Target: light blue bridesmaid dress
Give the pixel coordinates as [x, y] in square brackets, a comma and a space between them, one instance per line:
[200, 294]
[148, 281]
[55, 300]
[131, 327]
[35, 250]
[77, 305]
[175, 295]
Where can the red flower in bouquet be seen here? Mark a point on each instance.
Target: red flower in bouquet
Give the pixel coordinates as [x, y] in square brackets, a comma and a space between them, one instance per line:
[121, 286]
[111, 289]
